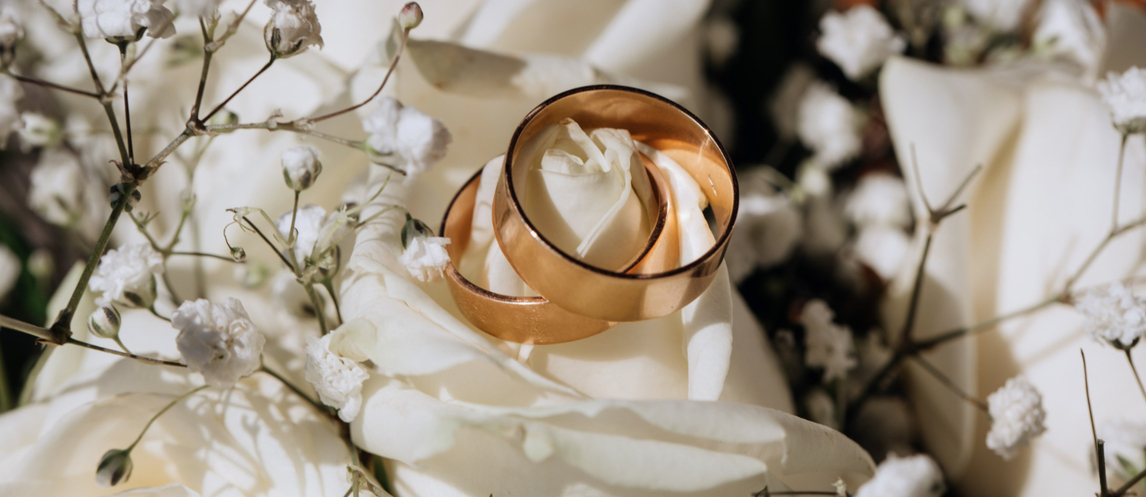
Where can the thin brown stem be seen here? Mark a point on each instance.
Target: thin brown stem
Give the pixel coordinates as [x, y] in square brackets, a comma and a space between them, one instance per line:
[269, 243]
[287, 127]
[160, 413]
[1138, 379]
[293, 215]
[1129, 484]
[31, 329]
[916, 291]
[204, 254]
[319, 309]
[982, 326]
[389, 71]
[938, 375]
[1098, 444]
[149, 360]
[293, 388]
[53, 86]
[1118, 182]
[241, 88]
[61, 328]
[127, 107]
[79, 36]
[207, 54]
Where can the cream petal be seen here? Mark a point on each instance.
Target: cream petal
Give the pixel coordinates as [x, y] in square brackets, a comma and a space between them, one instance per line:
[954, 121]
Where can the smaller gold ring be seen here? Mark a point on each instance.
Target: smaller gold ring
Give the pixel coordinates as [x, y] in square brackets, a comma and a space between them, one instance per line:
[594, 292]
[534, 320]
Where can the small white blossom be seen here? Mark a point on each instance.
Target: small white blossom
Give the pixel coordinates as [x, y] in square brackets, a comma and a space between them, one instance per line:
[1125, 94]
[337, 379]
[410, 16]
[914, 476]
[828, 345]
[38, 130]
[10, 33]
[1017, 417]
[293, 27]
[1002, 15]
[301, 167]
[9, 270]
[1114, 314]
[769, 226]
[123, 19]
[309, 223]
[859, 40]
[425, 257]
[883, 249]
[198, 8]
[404, 137]
[1071, 29]
[10, 92]
[218, 341]
[829, 126]
[104, 322]
[127, 275]
[879, 199]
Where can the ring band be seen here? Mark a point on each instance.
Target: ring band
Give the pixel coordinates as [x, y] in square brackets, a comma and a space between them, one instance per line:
[590, 291]
[534, 320]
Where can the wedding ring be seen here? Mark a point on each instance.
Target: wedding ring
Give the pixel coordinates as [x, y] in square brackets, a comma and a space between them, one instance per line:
[594, 292]
[534, 320]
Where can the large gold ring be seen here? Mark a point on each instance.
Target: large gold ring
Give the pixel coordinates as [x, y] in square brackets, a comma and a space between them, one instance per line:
[599, 293]
[534, 320]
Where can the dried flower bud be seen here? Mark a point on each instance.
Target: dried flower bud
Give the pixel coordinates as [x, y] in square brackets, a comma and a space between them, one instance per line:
[411, 16]
[238, 254]
[301, 167]
[104, 322]
[114, 467]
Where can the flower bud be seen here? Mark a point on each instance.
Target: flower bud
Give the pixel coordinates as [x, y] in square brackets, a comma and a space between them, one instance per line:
[293, 27]
[411, 16]
[144, 297]
[238, 254]
[10, 34]
[114, 467]
[104, 322]
[301, 167]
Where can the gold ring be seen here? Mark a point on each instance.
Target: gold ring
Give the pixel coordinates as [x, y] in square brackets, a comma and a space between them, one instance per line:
[594, 292]
[534, 320]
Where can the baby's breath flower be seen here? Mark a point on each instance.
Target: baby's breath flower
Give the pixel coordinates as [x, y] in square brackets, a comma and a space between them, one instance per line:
[425, 257]
[115, 466]
[198, 8]
[218, 341]
[1017, 417]
[404, 137]
[879, 199]
[125, 20]
[292, 29]
[768, 228]
[301, 167]
[309, 223]
[859, 40]
[914, 476]
[38, 130]
[337, 379]
[829, 125]
[883, 249]
[10, 33]
[1125, 94]
[1114, 314]
[828, 345]
[127, 275]
[410, 16]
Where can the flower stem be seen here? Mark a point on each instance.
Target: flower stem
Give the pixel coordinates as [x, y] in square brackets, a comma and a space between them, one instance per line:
[160, 413]
[319, 309]
[916, 291]
[1118, 182]
[357, 145]
[930, 368]
[156, 314]
[53, 86]
[293, 215]
[1129, 484]
[204, 254]
[389, 71]
[269, 243]
[207, 54]
[61, 329]
[149, 360]
[1137, 378]
[241, 88]
[293, 388]
[1104, 490]
[126, 106]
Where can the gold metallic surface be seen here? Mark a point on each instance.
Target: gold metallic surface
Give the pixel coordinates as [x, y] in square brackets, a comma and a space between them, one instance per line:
[535, 320]
[589, 291]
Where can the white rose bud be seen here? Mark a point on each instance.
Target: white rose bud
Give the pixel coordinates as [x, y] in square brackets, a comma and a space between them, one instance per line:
[293, 27]
[301, 167]
[411, 16]
[104, 322]
[10, 34]
[114, 467]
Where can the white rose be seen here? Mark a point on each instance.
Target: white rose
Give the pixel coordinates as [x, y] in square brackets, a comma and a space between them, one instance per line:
[448, 400]
[1050, 153]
